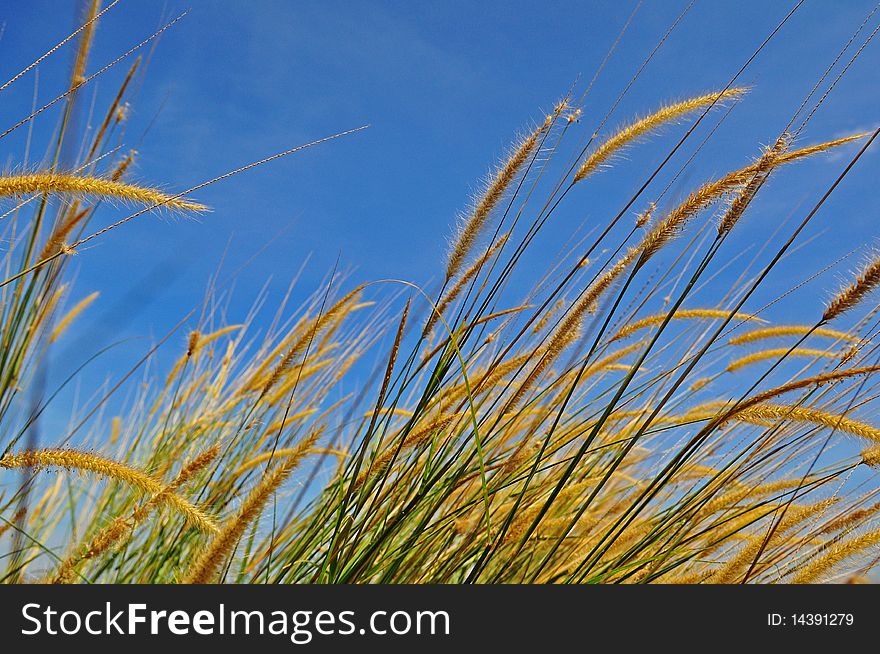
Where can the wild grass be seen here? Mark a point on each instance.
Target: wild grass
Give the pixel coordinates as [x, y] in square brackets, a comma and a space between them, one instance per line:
[621, 420]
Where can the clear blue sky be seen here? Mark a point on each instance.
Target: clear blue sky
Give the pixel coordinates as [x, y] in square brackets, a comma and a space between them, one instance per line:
[444, 87]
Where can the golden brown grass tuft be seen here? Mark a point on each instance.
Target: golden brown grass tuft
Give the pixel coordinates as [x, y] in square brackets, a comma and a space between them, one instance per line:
[710, 192]
[818, 567]
[777, 353]
[763, 333]
[473, 225]
[865, 282]
[415, 438]
[17, 185]
[774, 413]
[205, 568]
[79, 461]
[871, 456]
[681, 314]
[629, 133]
[72, 315]
[120, 527]
[762, 170]
[472, 271]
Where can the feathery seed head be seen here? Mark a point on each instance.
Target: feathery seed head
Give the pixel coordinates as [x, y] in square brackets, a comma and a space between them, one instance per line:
[474, 224]
[71, 315]
[206, 566]
[681, 314]
[123, 166]
[762, 167]
[80, 461]
[871, 456]
[848, 298]
[632, 131]
[472, 271]
[672, 224]
[561, 106]
[122, 112]
[789, 330]
[777, 353]
[850, 353]
[645, 216]
[192, 344]
[50, 182]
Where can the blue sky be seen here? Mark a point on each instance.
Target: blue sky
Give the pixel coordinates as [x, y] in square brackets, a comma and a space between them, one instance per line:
[444, 87]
